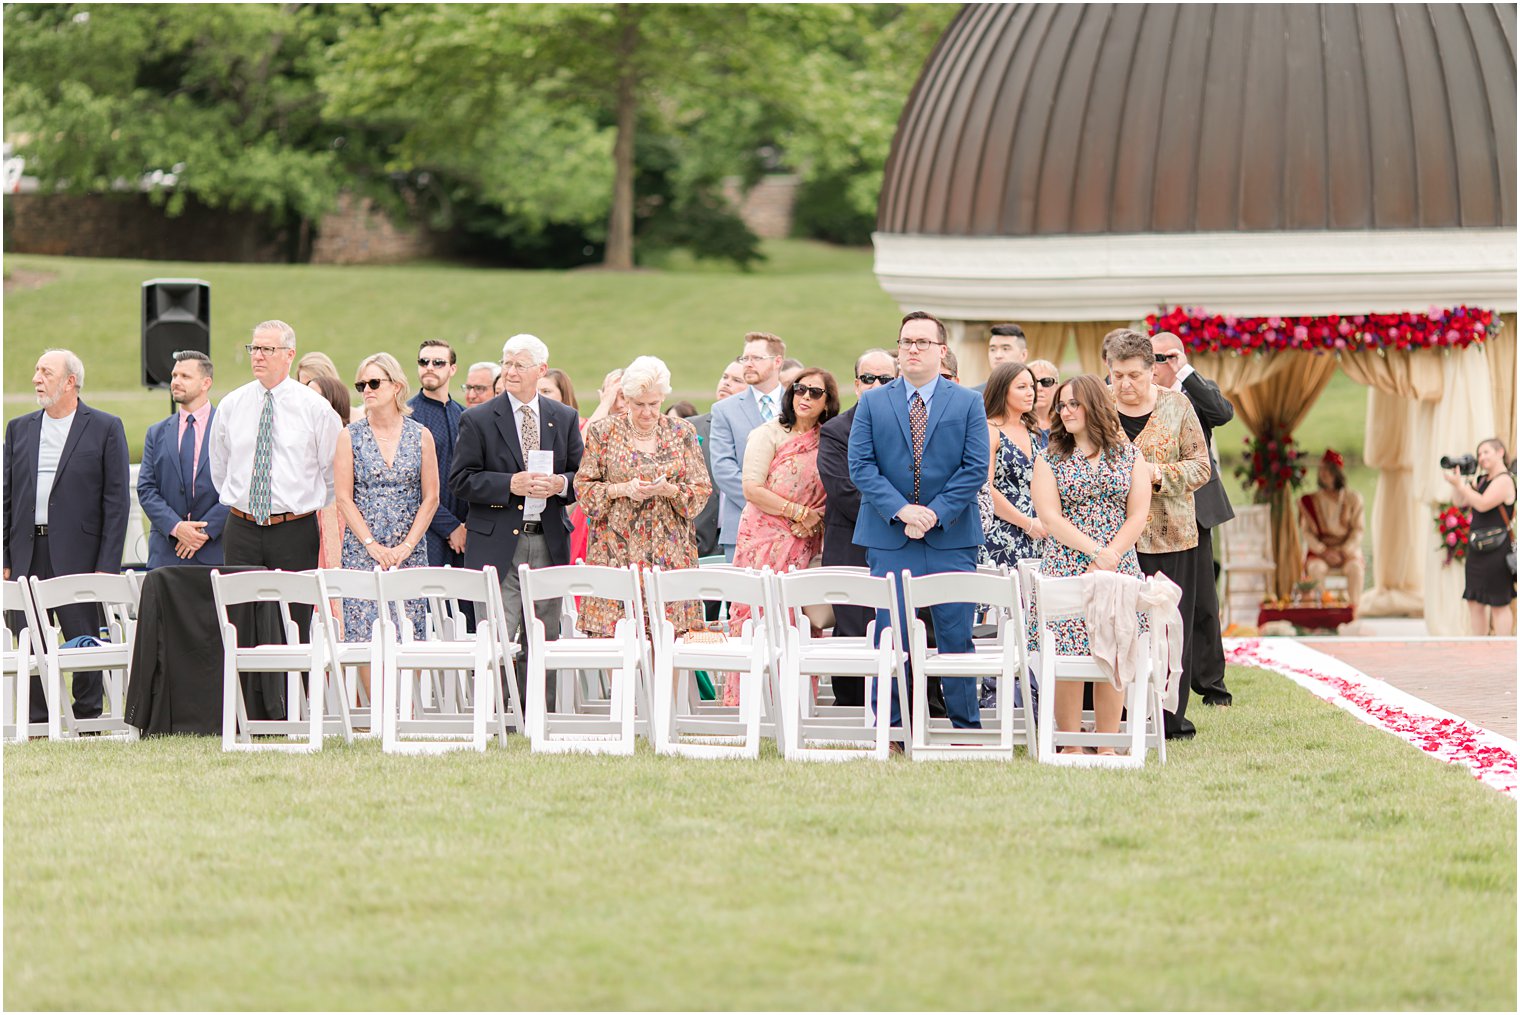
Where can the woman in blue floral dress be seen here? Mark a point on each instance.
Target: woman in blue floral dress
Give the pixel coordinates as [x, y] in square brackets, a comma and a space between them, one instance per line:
[385, 475]
[1013, 531]
[1092, 490]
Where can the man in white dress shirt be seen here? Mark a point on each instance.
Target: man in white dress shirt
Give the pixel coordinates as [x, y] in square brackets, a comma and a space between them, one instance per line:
[732, 420]
[272, 445]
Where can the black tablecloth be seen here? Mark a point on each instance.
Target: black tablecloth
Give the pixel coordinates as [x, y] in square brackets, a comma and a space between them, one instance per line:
[176, 684]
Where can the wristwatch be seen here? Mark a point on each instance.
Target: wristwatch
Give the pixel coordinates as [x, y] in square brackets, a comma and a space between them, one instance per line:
[371, 539]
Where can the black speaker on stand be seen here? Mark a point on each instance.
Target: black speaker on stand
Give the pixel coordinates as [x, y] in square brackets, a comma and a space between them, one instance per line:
[176, 315]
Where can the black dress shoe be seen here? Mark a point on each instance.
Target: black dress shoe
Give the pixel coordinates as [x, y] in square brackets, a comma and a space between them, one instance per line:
[1179, 729]
[1218, 700]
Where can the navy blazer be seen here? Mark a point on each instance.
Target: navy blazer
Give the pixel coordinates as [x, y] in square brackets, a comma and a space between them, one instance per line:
[161, 492]
[953, 467]
[486, 458]
[843, 499]
[90, 501]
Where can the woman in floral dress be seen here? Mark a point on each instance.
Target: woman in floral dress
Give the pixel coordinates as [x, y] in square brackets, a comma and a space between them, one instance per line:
[642, 483]
[1009, 519]
[1092, 490]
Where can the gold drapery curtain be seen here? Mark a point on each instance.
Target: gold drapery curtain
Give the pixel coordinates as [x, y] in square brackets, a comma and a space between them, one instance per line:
[1398, 576]
[1500, 353]
[1234, 373]
[1408, 373]
[1279, 404]
[1089, 336]
[1047, 339]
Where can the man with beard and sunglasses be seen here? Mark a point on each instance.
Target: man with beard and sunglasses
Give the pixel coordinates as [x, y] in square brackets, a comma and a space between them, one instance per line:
[435, 409]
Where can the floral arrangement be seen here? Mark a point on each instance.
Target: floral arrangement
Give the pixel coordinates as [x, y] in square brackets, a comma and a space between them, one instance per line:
[1452, 328]
[1452, 526]
[1271, 463]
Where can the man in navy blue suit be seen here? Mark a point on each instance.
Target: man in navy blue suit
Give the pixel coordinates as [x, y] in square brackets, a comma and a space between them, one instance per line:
[66, 502]
[918, 455]
[174, 483]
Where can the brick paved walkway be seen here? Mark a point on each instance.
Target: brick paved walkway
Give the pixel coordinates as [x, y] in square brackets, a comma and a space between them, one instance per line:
[1472, 678]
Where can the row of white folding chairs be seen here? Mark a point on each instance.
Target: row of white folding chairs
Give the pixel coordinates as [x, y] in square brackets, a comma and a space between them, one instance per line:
[778, 662]
[447, 690]
[37, 650]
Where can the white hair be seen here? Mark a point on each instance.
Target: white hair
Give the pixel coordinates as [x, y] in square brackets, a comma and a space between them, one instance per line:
[73, 366]
[495, 368]
[286, 332]
[646, 374]
[529, 344]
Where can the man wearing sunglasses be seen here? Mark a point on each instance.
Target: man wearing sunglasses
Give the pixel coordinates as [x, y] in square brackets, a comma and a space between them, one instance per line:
[1205, 656]
[873, 368]
[435, 409]
[918, 454]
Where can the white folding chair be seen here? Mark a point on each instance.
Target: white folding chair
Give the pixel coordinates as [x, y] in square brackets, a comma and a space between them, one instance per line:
[1001, 655]
[462, 712]
[624, 655]
[19, 663]
[1060, 599]
[749, 652]
[293, 657]
[811, 731]
[346, 656]
[116, 595]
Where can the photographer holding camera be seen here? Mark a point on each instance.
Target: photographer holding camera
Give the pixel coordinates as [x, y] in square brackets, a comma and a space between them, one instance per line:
[1490, 543]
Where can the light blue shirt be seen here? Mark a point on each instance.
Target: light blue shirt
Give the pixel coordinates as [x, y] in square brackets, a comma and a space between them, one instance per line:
[926, 393]
[55, 433]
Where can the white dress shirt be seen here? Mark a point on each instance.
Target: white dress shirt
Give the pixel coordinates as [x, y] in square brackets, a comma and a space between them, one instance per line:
[517, 418]
[55, 434]
[305, 439]
[774, 395]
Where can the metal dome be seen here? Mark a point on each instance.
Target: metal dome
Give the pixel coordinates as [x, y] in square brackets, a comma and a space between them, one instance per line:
[1077, 119]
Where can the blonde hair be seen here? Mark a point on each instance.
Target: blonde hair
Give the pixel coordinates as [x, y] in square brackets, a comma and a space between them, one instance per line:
[391, 368]
[318, 364]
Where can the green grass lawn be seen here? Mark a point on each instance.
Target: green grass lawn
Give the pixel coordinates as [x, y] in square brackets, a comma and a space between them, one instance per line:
[822, 300]
[1289, 858]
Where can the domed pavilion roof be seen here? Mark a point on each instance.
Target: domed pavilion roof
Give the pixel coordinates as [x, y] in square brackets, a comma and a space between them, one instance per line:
[1062, 119]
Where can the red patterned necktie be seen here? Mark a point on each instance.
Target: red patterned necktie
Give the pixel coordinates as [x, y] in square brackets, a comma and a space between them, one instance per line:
[918, 423]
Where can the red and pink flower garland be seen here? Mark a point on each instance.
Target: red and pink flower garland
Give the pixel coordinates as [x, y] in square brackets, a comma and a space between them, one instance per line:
[1452, 525]
[1487, 755]
[1452, 328]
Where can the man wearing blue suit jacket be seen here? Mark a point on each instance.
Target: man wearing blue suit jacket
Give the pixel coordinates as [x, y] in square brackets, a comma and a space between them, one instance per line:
[732, 420]
[65, 502]
[918, 455]
[490, 474]
[174, 483]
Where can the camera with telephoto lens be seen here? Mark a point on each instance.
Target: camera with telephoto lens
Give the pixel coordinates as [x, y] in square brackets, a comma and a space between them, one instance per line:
[1467, 465]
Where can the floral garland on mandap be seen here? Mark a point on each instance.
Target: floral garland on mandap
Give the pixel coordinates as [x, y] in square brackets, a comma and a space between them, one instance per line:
[1452, 328]
[1271, 463]
[1452, 525]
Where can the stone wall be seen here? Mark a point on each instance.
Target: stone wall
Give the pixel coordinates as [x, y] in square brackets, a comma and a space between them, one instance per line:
[767, 207]
[360, 233]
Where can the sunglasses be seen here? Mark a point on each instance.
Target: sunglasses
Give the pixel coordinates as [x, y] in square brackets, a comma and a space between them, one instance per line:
[437, 364]
[372, 384]
[1045, 382]
[875, 378]
[807, 389]
[1165, 357]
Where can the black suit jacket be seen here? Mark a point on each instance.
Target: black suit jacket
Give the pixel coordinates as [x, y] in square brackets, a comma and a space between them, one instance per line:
[90, 501]
[844, 500]
[706, 522]
[487, 456]
[1210, 500]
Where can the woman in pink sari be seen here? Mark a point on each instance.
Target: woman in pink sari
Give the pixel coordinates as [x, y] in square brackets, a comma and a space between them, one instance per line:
[782, 524]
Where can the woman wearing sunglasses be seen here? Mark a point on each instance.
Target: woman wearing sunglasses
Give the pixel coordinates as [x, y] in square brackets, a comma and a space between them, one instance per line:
[1046, 375]
[781, 526]
[386, 477]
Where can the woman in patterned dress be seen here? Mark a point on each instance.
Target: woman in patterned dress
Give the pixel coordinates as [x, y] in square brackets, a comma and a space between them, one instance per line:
[385, 475]
[1165, 430]
[1012, 529]
[642, 482]
[1092, 490]
[781, 526]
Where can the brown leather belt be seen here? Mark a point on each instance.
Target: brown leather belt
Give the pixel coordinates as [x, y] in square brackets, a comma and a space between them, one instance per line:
[288, 516]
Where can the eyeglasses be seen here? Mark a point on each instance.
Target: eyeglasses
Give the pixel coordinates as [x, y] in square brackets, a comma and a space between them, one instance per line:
[437, 364]
[475, 389]
[807, 389]
[1068, 404]
[916, 343]
[263, 350]
[372, 384]
[1164, 357]
[508, 364]
[874, 378]
[1045, 382]
[755, 359]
